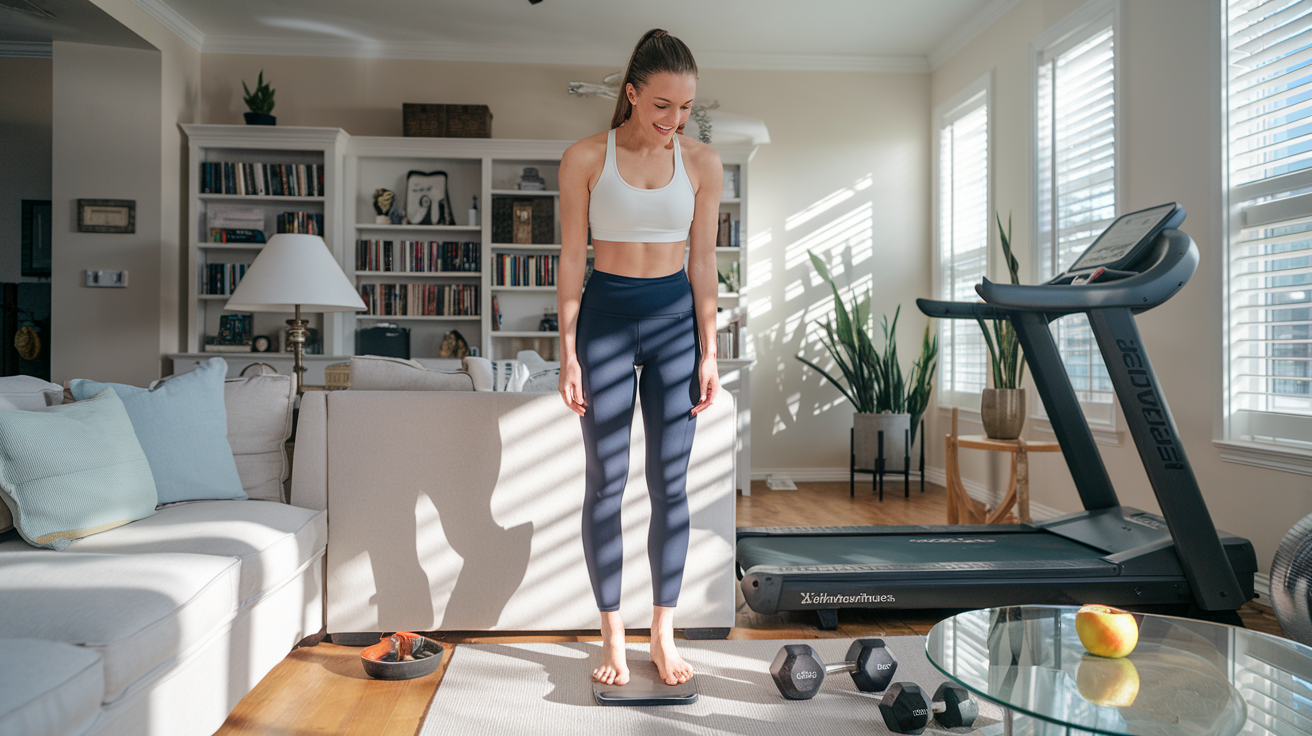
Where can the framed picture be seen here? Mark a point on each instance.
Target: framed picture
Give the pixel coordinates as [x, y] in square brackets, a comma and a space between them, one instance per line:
[427, 200]
[36, 237]
[107, 215]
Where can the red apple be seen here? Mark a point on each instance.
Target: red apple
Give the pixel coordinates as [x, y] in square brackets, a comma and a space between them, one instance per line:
[1103, 681]
[1106, 631]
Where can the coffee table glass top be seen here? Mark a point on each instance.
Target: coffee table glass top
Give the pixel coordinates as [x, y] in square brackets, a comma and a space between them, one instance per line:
[1185, 677]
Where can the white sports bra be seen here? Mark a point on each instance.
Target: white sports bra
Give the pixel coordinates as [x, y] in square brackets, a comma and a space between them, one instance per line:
[621, 212]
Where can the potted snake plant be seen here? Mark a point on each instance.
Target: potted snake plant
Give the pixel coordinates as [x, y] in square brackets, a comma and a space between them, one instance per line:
[1002, 407]
[885, 400]
[259, 102]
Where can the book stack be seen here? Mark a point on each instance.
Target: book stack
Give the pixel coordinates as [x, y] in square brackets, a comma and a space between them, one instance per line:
[235, 224]
[420, 300]
[235, 332]
[221, 278]
[303, 223]
[519, 270]
[261, 180]
[416, 256]
[728, 333]
[726, 235]
[730, 184]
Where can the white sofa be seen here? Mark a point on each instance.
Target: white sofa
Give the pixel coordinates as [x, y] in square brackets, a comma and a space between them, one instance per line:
[462, 510]
[160, 626]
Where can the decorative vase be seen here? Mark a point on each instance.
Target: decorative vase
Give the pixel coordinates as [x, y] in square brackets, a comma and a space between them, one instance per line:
[1002, 411]
[867, 427]
[260, 118]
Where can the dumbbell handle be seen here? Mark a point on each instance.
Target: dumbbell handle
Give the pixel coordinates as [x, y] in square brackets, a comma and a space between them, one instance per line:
[844, 667]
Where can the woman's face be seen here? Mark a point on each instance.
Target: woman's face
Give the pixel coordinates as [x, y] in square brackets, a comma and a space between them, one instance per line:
[663, 106]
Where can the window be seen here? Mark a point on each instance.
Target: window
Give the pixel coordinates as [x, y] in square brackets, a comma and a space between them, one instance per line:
[1074, 74]
[962, 234]
[1268, 95]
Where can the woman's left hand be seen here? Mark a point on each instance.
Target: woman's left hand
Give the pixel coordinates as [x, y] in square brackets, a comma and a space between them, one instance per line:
[709, 380]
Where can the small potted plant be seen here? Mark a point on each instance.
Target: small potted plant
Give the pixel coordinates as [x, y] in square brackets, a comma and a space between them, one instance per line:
[1002, 407]
[260, 103]
[884, 399]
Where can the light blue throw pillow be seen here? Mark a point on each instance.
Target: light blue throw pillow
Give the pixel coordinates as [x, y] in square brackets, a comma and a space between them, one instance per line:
[183, 428]
[70, 471]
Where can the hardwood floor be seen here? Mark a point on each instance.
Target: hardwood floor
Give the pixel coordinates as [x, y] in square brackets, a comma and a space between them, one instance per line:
[322, 689]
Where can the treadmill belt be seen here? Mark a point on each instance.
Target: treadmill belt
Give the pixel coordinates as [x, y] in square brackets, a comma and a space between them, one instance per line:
[909, 549]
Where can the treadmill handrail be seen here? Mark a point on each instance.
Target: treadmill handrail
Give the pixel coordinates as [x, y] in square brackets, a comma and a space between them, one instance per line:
[1174, 260]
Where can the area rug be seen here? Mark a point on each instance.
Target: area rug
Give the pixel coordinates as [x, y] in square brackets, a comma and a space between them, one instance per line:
[545, 689]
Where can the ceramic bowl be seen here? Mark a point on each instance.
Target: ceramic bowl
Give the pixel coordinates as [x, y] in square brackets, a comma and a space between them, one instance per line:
[406, 670]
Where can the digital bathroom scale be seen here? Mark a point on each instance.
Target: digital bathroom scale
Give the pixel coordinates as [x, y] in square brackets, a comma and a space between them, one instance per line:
[645, 687]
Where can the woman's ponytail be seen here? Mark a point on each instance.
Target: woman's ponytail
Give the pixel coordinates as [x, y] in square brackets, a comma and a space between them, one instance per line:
[657, 51]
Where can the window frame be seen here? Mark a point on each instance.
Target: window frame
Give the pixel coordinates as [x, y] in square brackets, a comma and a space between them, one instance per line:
[978, 93]
[1229, 222]
[1103, 418]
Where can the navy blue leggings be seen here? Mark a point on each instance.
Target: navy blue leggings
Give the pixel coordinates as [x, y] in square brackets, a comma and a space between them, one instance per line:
[625, 322]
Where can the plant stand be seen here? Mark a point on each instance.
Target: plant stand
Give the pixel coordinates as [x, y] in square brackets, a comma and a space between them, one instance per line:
[877, 472]
[962, 509]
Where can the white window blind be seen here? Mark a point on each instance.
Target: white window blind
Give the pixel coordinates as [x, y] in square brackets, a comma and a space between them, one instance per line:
[1269, 284]
[1076, 180]
[963, 230]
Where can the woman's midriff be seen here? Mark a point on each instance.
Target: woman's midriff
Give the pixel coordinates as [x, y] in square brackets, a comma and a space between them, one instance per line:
[638, 260]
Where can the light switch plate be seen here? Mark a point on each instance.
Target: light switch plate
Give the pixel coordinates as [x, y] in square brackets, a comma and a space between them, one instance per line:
[111, 279]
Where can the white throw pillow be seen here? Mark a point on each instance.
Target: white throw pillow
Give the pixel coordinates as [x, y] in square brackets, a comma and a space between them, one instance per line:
[259, 423]
[496, 375]
[29, 393]
[543, 375]
[377, 373]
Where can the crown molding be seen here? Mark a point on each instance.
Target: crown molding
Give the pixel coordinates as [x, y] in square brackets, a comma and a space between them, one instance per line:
[173, 21]
[969, 30]
[27, 49]
[518, 54]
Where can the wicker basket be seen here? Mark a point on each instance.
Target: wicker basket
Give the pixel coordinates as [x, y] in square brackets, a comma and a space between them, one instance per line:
[337, 376]
[446, 121]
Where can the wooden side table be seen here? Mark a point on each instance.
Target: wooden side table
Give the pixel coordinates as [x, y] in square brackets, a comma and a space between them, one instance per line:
[962, 509]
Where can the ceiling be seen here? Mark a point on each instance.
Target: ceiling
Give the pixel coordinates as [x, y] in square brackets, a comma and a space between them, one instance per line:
[38, 22]
[896, 35]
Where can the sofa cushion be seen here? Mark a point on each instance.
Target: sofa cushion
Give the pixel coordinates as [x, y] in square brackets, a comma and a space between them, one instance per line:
[29, 392]
[48, 687]
[495, 375]
[73, 470]
[377, 373]
[140, 612]
[272, 540]
[259, 423]
[183, 427]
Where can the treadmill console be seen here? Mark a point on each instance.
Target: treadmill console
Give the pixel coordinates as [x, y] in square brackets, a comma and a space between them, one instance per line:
[1123, 242]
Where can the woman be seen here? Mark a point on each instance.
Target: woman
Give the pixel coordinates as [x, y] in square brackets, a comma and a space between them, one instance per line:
[645, 193]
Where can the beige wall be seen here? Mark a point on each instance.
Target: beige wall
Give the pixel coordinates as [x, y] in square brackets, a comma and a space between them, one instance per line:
[24, 152]
[1168, 105]
[855, 134]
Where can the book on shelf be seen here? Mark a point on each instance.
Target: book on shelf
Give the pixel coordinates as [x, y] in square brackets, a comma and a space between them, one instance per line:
[235, 235]
[420, 300]
[303, 223]
[728, 333]
[509, 269]
[726, 231]
[496, 315]
[261, 180]
[730, 184]
[417, 256]
[221, 278]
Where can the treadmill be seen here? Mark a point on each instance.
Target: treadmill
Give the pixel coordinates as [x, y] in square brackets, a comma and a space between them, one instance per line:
[1108, 553]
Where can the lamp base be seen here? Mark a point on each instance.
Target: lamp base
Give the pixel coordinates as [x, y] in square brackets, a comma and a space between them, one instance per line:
[297, 334]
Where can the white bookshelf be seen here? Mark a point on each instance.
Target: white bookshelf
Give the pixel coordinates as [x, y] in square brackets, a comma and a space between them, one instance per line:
[269, 145]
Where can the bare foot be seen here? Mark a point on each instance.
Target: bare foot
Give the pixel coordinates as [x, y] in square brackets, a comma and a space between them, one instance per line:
[672, 668]
[614, 669]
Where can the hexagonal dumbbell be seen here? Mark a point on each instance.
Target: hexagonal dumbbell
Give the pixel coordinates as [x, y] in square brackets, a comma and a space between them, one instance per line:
[906, 710]
[798, 671]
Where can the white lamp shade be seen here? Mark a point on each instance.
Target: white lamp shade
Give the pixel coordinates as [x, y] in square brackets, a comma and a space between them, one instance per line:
[295, 270]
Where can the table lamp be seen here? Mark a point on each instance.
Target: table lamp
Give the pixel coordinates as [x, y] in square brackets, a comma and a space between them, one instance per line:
[293, 272]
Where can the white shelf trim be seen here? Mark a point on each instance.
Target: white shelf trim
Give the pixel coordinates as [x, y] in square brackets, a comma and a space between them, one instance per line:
[523, 333]
[256, 198]
[525, 192]
[416, 317]
[422, 274]
[417, 228]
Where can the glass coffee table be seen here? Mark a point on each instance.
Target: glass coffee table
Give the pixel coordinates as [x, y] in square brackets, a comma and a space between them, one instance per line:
[1185, 677]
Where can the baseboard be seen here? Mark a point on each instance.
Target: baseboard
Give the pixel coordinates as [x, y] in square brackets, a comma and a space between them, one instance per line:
[824, 475]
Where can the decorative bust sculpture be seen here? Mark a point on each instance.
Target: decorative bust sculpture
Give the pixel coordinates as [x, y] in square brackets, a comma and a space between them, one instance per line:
[383, 201]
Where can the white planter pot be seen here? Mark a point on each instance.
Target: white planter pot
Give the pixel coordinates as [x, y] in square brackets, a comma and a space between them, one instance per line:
[896, 428]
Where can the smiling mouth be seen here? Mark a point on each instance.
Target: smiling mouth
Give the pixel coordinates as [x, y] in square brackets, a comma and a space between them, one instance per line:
[662, 127]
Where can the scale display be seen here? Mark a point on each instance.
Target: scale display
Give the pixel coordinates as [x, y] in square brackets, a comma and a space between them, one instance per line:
[1117, 243]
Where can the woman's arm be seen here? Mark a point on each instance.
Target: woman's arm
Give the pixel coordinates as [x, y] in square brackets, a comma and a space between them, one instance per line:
[574, 173]
[702, 272]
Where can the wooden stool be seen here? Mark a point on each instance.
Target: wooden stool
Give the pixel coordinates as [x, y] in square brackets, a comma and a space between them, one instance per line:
[962, 509]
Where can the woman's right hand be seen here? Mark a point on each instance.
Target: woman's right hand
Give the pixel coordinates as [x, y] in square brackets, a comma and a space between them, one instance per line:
[571, 386]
